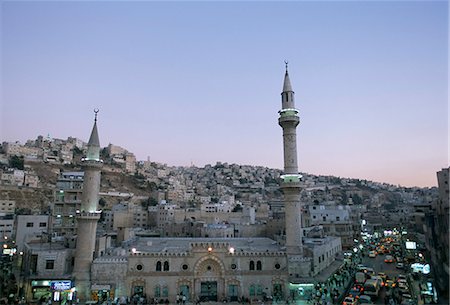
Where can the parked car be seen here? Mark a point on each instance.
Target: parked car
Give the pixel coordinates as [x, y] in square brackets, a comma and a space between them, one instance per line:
[350, 301]
[365, 299]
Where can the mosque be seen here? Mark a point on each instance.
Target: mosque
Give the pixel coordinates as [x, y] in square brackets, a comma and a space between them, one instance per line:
[214, 269]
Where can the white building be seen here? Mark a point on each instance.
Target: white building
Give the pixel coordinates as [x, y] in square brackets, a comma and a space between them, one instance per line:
[30, 227]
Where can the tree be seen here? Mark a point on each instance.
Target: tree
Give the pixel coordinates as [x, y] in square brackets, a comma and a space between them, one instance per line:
[151, 202]
[16, 162]
[102, 202]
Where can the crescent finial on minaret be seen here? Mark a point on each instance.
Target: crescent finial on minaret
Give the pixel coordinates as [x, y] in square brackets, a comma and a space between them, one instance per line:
[286, 63]
[96, 110]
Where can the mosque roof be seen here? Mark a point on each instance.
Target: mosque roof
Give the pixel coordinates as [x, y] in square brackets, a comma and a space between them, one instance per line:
[181, 245]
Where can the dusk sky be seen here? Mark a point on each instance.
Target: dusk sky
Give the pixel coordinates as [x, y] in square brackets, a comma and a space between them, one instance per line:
[199, 82]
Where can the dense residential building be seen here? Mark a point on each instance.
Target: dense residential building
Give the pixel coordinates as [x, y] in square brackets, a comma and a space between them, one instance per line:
[67, 201]
[6, 226]
[333, 219]
[14, 177]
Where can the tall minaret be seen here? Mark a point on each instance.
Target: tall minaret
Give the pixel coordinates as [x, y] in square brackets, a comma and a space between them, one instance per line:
[87, 216]
[290, 180]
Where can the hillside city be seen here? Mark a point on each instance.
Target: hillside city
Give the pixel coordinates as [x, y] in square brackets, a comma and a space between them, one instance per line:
[42, 180]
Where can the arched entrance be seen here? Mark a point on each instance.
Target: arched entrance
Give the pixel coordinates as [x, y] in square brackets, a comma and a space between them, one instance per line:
[209, 279]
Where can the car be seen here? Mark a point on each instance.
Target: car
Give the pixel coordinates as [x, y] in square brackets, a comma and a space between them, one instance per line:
[372, 254]
[361, 267]
[365, 299]
[389, 259]
[400, 266]
[402, 277]
[390, 284]
[379, 279]
[355, 292]
[350, 301]
[370, 271]
[383, 276]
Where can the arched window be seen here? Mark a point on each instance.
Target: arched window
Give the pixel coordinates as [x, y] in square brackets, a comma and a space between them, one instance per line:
[259, 290]
[258, 265]
[158, 266]
[252, 265]
[166, 266]
[251, 290]
[157, 291]
[165, 291]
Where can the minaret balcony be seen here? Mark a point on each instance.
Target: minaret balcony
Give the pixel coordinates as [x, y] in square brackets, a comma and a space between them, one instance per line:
[288, 115]
[288, 112]
[290, 180]
[98, 163]
[89, 215]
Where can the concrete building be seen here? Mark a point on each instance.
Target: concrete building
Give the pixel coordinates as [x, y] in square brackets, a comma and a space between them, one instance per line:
[29, 228]
[334, 220]
[7, 206]
[6, 226]
[14, 177]
[48, 268]
[67, 201]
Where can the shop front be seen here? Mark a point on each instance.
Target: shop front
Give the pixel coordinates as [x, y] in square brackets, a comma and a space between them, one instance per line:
[301, 291]
[62, 292]
[102, 293]
[52, 291]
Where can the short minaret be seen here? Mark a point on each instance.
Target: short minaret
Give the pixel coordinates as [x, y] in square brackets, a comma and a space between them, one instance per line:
[290, 180]
[88, 216]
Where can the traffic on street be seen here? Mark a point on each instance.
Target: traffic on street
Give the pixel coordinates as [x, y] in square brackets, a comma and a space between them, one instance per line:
[389, 269]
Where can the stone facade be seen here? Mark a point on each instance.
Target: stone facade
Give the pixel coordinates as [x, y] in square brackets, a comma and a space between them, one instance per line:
[200, 268]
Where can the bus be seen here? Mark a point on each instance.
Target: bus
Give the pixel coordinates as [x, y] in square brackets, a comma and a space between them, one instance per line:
[372, 287]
